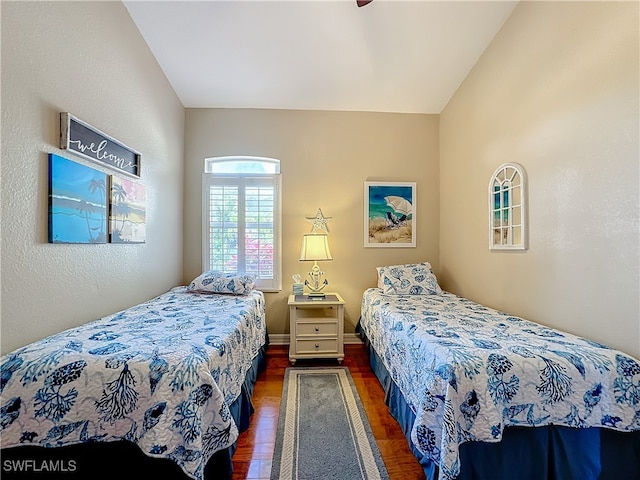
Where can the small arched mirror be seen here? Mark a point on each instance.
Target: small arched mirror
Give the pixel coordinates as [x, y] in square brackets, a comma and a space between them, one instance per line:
[507, 208]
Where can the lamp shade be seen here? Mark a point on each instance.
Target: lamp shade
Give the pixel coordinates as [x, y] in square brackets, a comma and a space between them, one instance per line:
[315, 247]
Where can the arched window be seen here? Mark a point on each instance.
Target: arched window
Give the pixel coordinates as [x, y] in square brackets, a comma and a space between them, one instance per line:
[507, 208]
[241, 218]
[242, 165]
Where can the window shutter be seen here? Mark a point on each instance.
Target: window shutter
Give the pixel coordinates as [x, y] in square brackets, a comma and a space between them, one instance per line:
[241, 227]
[223, 228]
[259, 233]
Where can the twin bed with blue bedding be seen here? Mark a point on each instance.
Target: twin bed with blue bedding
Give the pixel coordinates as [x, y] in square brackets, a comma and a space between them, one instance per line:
[482, 394]
[170, 378]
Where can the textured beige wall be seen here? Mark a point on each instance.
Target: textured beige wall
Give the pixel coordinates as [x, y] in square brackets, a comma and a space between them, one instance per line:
[325, 159]
[558, 92]
[86, 58]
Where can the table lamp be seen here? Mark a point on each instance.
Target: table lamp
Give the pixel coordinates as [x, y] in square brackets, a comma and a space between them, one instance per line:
[315, 248]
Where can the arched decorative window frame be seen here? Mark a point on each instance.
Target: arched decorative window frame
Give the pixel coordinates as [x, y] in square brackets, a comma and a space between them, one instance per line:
[508, 208]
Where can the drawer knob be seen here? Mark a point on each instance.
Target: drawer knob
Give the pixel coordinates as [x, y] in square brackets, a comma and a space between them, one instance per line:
[317, 329]
[317, 345]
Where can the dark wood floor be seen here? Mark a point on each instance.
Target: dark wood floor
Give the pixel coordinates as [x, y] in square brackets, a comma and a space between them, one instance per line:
[252, 459]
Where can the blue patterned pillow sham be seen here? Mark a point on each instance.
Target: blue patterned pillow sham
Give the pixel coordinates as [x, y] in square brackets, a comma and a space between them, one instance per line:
[408, 279]
[214, 281]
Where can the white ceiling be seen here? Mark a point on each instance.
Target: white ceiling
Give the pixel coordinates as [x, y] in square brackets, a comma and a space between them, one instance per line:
[388, 56]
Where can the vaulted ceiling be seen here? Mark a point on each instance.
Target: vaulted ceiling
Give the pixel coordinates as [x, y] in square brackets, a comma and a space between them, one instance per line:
[387, 56]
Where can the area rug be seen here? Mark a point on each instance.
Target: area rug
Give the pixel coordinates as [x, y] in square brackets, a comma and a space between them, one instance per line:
[323, 431]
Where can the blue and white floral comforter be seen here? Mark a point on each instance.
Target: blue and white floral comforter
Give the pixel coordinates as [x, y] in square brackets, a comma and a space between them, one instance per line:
[161, 374]
[468, 371]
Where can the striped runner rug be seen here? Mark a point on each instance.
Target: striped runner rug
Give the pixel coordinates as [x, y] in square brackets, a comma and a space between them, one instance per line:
[323, 432]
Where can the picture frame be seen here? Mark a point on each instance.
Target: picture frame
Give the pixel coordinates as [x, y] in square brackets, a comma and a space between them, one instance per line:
[77, 202]
[127, 211]
[89, 142]
[390, 214]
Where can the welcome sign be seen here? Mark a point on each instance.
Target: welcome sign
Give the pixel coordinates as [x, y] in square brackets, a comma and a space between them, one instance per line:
[83, 139]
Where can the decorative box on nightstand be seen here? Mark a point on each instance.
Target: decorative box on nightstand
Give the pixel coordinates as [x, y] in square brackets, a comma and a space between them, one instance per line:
[317, 326]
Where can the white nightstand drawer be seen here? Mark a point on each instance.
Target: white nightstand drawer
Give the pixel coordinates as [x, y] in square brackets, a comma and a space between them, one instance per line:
[326, 345]
[317, 328]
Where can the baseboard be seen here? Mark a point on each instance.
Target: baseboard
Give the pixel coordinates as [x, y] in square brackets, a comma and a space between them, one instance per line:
[283, 338]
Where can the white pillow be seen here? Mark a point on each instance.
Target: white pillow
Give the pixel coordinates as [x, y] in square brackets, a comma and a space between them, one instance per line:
[408, 279]
[214, 281]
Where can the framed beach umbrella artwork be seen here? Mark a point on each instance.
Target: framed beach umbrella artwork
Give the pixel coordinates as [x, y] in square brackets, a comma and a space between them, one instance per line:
[77, 202]
[390, 214]
[128, 211]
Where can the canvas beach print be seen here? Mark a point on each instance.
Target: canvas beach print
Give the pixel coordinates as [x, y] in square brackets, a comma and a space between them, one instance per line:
[77, 202]
[390, 214]
[128, 211]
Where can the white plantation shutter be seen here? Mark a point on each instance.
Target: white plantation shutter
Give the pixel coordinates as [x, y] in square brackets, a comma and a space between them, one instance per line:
[223, 228]
[258, 221]
[241, 226]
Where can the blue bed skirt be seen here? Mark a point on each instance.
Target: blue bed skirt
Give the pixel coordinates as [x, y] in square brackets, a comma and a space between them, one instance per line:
[526, 453]
[123, 460]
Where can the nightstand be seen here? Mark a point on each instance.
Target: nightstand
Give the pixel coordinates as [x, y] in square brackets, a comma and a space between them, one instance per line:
[317, 327]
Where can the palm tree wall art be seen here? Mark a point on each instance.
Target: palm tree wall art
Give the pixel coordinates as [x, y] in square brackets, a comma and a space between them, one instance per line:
[128, 211]
[77, 202]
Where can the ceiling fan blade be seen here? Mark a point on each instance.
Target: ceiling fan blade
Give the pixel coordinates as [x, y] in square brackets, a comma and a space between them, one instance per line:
[362, 3]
